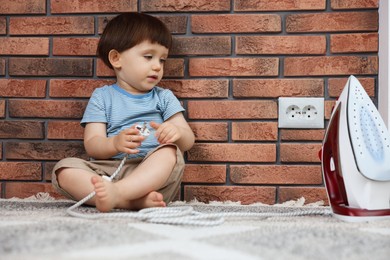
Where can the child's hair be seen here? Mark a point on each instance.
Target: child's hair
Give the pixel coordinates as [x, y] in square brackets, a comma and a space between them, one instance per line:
[129, 29]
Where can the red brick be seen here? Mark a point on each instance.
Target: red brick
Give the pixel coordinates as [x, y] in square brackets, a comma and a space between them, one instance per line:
[203, 45]
[3, 25]
[276, 174]
[172, 68]
[254, 131]
[184, 6]
[20, 171]
[336, 86]
[23, 7]
[27, 189]
[206, 131]
[280, 5]
[328, 108]
[102, 70]
[82, 6]
[280, 45]
[43, 151]
[236, 23]
[176, 24]
[22, 88]
[351, 43]
[234, 67]
[24, 46]
[332, 22]
[22, 129]
[246, 195]
[354, 4]
[330, 65]
[75, 87]
[237, 109]
[65, 130]
[49, 166]
[299, 135]
[50, 67]
[232, 152]
[300, 152]
[66, 46]
[311, 194]
[103, 21]
[2, 67]
[47, 108]
[2, 108]
[198, 88]
[202, 173]
[52, 25]
[278, 87]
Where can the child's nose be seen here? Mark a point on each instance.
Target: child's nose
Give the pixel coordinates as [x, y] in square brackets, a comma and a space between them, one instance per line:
[156, 66]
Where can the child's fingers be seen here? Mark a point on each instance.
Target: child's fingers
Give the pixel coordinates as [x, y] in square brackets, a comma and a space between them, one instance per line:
[135, 138]
[131, 151]
[130, 131]
[162, 133]
[154, 125]
[130, 147]
[170, 136]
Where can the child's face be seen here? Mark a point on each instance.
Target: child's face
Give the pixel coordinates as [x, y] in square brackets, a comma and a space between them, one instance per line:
[141, 67]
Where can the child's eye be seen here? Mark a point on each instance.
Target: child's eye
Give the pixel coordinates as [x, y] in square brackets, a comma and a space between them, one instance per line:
[148, 57]
[163, 61]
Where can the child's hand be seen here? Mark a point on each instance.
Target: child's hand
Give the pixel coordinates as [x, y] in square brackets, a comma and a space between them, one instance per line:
[128, 140]
[166, 132]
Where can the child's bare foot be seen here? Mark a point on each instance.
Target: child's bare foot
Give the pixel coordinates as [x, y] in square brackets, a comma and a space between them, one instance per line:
[107, 195]
[153, 199]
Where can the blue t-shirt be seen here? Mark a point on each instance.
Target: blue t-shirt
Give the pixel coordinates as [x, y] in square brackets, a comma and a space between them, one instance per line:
[120, 110]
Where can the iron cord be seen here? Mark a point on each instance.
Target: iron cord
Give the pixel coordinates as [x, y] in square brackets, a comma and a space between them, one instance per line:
[181, 215]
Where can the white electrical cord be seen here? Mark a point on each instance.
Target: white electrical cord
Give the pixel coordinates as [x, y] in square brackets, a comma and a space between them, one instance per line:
[184, 215]
[179, 215]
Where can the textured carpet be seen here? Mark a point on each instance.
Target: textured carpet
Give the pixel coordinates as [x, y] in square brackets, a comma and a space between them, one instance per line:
[41, 229]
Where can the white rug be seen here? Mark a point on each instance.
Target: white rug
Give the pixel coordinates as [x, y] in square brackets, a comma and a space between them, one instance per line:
[41, 229]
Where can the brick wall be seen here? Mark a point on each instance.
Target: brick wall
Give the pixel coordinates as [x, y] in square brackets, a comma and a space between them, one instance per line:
[230, 62]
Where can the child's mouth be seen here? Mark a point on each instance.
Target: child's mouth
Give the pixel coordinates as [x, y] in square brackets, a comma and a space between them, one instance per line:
[153, 77]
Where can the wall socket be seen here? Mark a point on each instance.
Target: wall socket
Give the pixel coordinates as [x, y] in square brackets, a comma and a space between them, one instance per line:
[301, 112]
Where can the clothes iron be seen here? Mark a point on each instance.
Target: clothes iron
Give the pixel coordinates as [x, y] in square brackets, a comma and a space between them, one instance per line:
[355, 158]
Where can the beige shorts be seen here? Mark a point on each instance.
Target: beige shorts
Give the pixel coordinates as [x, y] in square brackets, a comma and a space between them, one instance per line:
[108, 167]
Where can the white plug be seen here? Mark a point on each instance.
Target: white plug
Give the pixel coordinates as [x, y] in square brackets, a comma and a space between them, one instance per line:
[143, 129]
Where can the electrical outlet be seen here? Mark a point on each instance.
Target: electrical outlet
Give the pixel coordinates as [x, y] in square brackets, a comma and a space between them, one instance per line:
[301, 112]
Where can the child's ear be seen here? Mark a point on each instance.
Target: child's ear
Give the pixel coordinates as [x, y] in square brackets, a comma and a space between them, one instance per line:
[114, 58]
